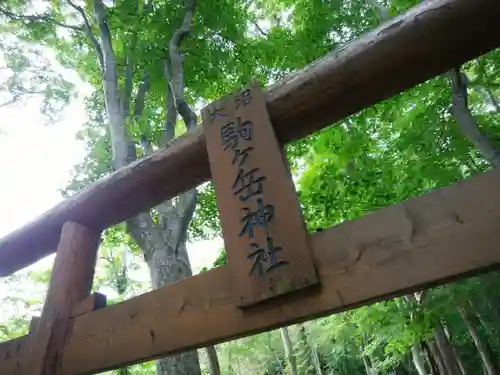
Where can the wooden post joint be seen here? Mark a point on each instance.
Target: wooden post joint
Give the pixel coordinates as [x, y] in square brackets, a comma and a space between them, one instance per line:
[93, 302]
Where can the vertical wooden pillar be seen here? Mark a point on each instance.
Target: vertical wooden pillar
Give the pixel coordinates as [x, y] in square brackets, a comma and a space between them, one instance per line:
[70, 283]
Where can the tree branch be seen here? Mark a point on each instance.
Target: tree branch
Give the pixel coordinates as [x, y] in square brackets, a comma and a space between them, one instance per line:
[9, 102]
[494, 100]
[176, 103]
[37, 18]
[22, 94]
[183, 31]
[140, 97]
[213, 34]
[171, 117]
[120, 146]
[90, 34]
[176, 59]
[138, 110]
[137, 226]
[109, 55]
[467, 122]
[185, 208]
[459, 87]
[129, 80]
[129, 72]
[258, 28]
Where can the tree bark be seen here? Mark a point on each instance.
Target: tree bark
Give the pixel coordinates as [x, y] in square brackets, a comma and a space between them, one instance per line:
[213, 360]
[167, 259]
[482, 347]
[287, 343]
[418, 359]
[467, 122]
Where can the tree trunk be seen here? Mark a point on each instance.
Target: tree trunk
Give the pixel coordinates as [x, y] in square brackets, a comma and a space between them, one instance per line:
[278, 359]
[166, 255]
[368, 368]
[482, 347]
[163, 242]
[438, 358]
[459, 361]
[314, 352]
[316, 361]
[290, 356]
[418, 359]
[447, 352]
[367, 365]
[455, 353]
[430, 359]
[213, 360]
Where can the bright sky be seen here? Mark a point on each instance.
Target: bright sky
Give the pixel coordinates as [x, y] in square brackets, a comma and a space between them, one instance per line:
[35, 162]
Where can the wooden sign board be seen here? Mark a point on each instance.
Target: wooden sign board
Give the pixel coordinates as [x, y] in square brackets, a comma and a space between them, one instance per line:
[264, 233]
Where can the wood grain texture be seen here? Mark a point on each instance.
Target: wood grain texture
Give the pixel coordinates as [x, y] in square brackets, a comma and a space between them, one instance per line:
[93, 302]
[70, 283]
[262, 225]
[426, 41]
[447, 234]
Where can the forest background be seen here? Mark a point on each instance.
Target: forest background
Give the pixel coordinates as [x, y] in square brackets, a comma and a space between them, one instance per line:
[144, 69]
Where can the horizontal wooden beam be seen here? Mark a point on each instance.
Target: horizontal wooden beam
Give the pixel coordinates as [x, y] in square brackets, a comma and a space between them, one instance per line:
[12, 352]
[426, 41]
[449, 233]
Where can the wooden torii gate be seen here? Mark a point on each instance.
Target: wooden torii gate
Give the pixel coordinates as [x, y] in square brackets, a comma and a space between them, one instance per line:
[273, 278]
